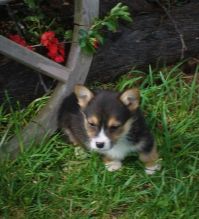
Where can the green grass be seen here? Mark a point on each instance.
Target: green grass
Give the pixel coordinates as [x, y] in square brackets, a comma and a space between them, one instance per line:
[49, 181]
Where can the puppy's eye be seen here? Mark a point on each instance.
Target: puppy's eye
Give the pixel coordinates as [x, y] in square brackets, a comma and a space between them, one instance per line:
[114, 127]
[92, 124]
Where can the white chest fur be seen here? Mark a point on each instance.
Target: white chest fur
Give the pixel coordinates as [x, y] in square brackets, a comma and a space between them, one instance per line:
[122, 149]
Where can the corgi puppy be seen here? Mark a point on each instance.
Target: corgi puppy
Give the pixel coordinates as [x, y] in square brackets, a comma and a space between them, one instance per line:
[110, 123]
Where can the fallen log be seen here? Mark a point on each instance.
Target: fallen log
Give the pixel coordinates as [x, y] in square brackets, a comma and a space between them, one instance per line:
[153, 38]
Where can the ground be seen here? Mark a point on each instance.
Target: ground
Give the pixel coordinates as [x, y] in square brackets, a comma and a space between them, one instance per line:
[51, 181]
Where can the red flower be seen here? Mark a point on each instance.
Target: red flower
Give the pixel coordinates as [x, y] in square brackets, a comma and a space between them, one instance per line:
[55, 49]
[46, 37]
[59, 58]
[19, 40]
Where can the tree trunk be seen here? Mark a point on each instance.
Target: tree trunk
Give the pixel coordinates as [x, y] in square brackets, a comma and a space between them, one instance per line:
[153, 38]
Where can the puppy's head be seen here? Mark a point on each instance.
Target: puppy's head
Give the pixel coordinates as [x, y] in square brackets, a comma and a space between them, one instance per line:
[107, 114]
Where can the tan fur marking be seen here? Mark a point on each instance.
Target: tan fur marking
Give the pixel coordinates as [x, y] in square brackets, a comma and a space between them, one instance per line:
[93, 119]
[91, 131]
[106, 159]
[71, 137]
[121, 130]
[83, 94]
[131, 98]
[113, 122]
[149, 159]
[127, 125]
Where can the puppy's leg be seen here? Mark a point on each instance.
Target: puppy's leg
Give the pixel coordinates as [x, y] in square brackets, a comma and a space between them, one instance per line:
[150, 159]
[71, 136]
[79, 151]
[112, 165]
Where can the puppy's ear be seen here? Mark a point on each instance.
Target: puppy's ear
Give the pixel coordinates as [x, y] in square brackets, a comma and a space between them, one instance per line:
[131, 98]
[83, 94]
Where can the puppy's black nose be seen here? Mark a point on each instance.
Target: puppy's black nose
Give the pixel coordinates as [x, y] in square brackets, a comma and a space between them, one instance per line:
[100, 144]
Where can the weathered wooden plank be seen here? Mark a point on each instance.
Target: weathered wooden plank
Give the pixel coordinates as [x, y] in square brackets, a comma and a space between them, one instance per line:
[33, 60]
[46, 122]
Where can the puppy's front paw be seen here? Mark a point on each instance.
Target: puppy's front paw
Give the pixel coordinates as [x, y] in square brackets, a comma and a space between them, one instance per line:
[151, 170]
[113, 165]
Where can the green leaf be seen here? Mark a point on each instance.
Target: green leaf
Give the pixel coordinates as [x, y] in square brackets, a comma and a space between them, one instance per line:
[127, 18]
[32, 18]
[88, 48]
[68, 35]
[99, 38]
[83, 33]
[125, 8]
[115, 9]
[110, 21]
[111, 25]
[31, 3]
[82, 43]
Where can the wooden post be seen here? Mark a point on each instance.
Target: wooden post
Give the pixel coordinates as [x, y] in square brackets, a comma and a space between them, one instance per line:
[45, 123]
